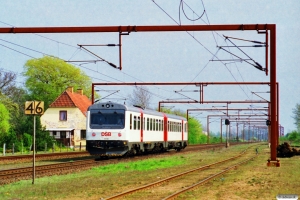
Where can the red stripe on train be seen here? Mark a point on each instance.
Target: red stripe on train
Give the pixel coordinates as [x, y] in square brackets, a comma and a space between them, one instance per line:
[142, 125]
[165, 127]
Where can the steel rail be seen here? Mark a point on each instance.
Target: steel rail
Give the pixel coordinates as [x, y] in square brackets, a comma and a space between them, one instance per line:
[172, 196]
[40, 156]
[13, 175]
[172, 177]
[10, 175]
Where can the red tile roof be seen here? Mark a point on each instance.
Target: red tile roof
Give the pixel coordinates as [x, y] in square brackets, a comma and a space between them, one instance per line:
[72, 100]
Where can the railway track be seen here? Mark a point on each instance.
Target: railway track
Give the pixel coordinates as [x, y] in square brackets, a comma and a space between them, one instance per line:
[175, 185]
[46, 156]
[49, 156]
[14, 175]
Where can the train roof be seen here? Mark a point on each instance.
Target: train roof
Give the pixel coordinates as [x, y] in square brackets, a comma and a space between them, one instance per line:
[112, 105]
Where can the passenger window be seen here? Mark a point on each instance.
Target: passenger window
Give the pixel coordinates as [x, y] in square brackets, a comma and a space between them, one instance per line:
[147, 124]
[150, 124]
[173, 127]
[134, 122]
[130, 121]
[156, 124]
[139, 123]
[153, 124]
[159, 124]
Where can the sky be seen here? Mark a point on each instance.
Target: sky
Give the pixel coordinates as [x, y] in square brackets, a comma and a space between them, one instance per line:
[165, 56]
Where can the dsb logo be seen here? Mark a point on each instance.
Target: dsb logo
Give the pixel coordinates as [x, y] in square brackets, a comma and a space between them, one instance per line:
[105, 133]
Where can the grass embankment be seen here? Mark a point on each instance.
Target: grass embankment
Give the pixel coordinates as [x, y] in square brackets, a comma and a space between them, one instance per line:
[251, 181]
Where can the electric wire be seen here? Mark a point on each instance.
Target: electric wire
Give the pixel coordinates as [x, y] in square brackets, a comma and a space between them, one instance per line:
[203, 20]
[214, 55]
[181, 7]
[75, 64]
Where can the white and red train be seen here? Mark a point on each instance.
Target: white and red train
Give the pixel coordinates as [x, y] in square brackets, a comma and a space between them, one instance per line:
[116, 129]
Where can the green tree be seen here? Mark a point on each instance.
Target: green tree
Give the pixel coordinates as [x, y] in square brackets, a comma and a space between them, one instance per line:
[296, 112]
[195, 132]
[48, 77]
[4, 120]
[294, 136]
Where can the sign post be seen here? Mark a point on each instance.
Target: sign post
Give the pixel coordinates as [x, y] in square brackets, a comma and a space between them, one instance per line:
[34, 108]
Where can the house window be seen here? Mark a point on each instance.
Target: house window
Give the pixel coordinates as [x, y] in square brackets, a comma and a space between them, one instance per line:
[63, 134]
[54, 133]
[63, 115]
[83, 134]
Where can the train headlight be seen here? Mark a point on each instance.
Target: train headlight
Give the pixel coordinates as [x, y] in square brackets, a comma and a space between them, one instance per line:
[107, 105]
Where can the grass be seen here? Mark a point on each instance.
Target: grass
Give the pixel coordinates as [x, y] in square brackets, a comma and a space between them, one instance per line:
[143, 165]
[253, 180]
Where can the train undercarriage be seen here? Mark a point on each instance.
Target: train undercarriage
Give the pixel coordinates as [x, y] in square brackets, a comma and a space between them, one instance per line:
[104, 148]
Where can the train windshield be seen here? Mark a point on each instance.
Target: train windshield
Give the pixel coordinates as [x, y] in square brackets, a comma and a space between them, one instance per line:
[107, 119]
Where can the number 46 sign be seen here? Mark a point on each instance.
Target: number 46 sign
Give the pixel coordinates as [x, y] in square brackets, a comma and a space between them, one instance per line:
[34, 107]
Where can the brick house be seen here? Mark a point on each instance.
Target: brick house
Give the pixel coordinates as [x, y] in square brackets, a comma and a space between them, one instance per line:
[65, 119]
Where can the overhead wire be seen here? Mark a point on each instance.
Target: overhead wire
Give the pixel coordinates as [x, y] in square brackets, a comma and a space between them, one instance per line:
[159, 96]
[214, 55]
[181, 7]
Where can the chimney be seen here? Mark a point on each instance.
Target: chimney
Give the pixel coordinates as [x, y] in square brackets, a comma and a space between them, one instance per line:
[80, 91]
[70, 89]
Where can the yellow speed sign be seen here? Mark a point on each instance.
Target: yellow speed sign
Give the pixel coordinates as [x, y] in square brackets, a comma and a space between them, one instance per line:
[34, 107]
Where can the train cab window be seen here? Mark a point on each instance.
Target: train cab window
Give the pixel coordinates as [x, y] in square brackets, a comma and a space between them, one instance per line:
[180, 127]
[130, 121]
[169, 126]
[144, 124]
[134, 122]
[139, 123]
[107, 118]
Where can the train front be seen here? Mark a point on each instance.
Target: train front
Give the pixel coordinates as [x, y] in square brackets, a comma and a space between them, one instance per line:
[106, 130]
